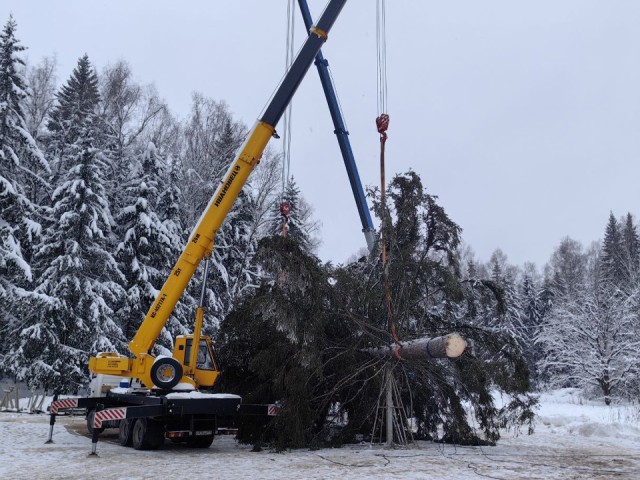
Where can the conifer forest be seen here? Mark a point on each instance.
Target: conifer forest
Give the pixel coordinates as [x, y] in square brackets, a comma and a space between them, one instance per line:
[100, 188]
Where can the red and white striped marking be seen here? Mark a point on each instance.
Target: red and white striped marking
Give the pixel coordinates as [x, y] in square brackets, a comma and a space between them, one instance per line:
[273, 410]
[62, 404]
[108, 414]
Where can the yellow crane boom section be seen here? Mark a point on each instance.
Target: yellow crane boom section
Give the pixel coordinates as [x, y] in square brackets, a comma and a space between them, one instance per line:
[201, 240]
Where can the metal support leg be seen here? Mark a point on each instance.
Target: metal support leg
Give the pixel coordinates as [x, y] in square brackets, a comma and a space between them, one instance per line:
[94, 443]
[52, 422]
[95, 434]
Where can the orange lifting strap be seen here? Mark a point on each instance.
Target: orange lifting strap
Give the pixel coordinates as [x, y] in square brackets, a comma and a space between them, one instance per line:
[382, 124]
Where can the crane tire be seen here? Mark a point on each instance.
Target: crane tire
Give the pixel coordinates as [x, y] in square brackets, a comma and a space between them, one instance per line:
[147, 434]
[166, 373]
[124, 432]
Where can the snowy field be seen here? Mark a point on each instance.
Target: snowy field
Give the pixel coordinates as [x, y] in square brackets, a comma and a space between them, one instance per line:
[574, 439]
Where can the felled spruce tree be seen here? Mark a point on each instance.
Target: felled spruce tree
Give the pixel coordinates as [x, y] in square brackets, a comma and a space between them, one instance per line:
[305, 341]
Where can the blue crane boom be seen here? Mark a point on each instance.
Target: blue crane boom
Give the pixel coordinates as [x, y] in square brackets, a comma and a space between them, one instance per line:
[342, 135]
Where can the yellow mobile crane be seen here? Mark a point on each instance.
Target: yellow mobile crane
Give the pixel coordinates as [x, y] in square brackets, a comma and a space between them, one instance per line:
[193, 362]
[164, 409]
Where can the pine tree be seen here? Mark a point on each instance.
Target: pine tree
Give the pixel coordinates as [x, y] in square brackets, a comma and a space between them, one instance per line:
[234, 275]
[509, 314]
[566, 270]
[145, 246]
[612, 259]
[169, 210]
[21, 163]
[77, 101]
[299, 225]
[18, 147]
[80, 274]
[631, 252]
[532, 307]
[227, 141]
[169, 207]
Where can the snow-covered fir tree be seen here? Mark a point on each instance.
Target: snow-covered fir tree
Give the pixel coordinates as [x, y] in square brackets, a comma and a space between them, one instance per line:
[169, 210]
[140, 253]
[147, 248]
[234, 275]
[612, 258]
[21, 163]
[77, 268]
[77, 100]
[81, 273]
[533, 307]
[631, 253]
[18, 147]
[566, 271]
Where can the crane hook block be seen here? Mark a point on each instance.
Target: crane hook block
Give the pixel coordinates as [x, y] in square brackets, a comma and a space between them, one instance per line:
[285, 208]
[382, 122]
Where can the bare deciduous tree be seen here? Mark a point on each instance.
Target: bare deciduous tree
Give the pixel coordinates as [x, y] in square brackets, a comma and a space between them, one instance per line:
[590, 339]
[42, 89]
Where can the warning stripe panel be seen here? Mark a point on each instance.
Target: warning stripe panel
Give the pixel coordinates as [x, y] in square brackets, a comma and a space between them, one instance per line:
[108, 414]
[62, 404]
[273, 410]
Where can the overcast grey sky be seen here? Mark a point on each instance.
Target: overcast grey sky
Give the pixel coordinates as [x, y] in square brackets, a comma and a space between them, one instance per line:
[522, 116]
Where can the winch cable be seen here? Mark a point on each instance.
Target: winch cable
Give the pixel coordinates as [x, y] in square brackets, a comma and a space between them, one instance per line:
[286, 136]
[381, 43]
[285, 206]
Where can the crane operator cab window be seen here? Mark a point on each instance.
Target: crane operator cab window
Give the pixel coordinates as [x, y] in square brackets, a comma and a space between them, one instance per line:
[204, 360]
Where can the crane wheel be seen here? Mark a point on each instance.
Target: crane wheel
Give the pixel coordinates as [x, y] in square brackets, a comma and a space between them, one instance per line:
[166, 373]
[147, 434]
[124, 433]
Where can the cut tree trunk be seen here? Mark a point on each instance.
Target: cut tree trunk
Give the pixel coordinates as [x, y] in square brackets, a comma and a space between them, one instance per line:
[447, 346]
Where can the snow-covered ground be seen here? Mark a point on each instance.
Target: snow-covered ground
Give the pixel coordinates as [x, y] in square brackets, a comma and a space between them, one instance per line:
[574, 439]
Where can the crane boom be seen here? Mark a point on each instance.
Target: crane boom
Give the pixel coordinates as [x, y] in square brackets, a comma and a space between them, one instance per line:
[340, 129]
[201, 240]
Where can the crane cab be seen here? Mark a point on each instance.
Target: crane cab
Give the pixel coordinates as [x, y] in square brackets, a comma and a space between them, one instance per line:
[205, 371]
